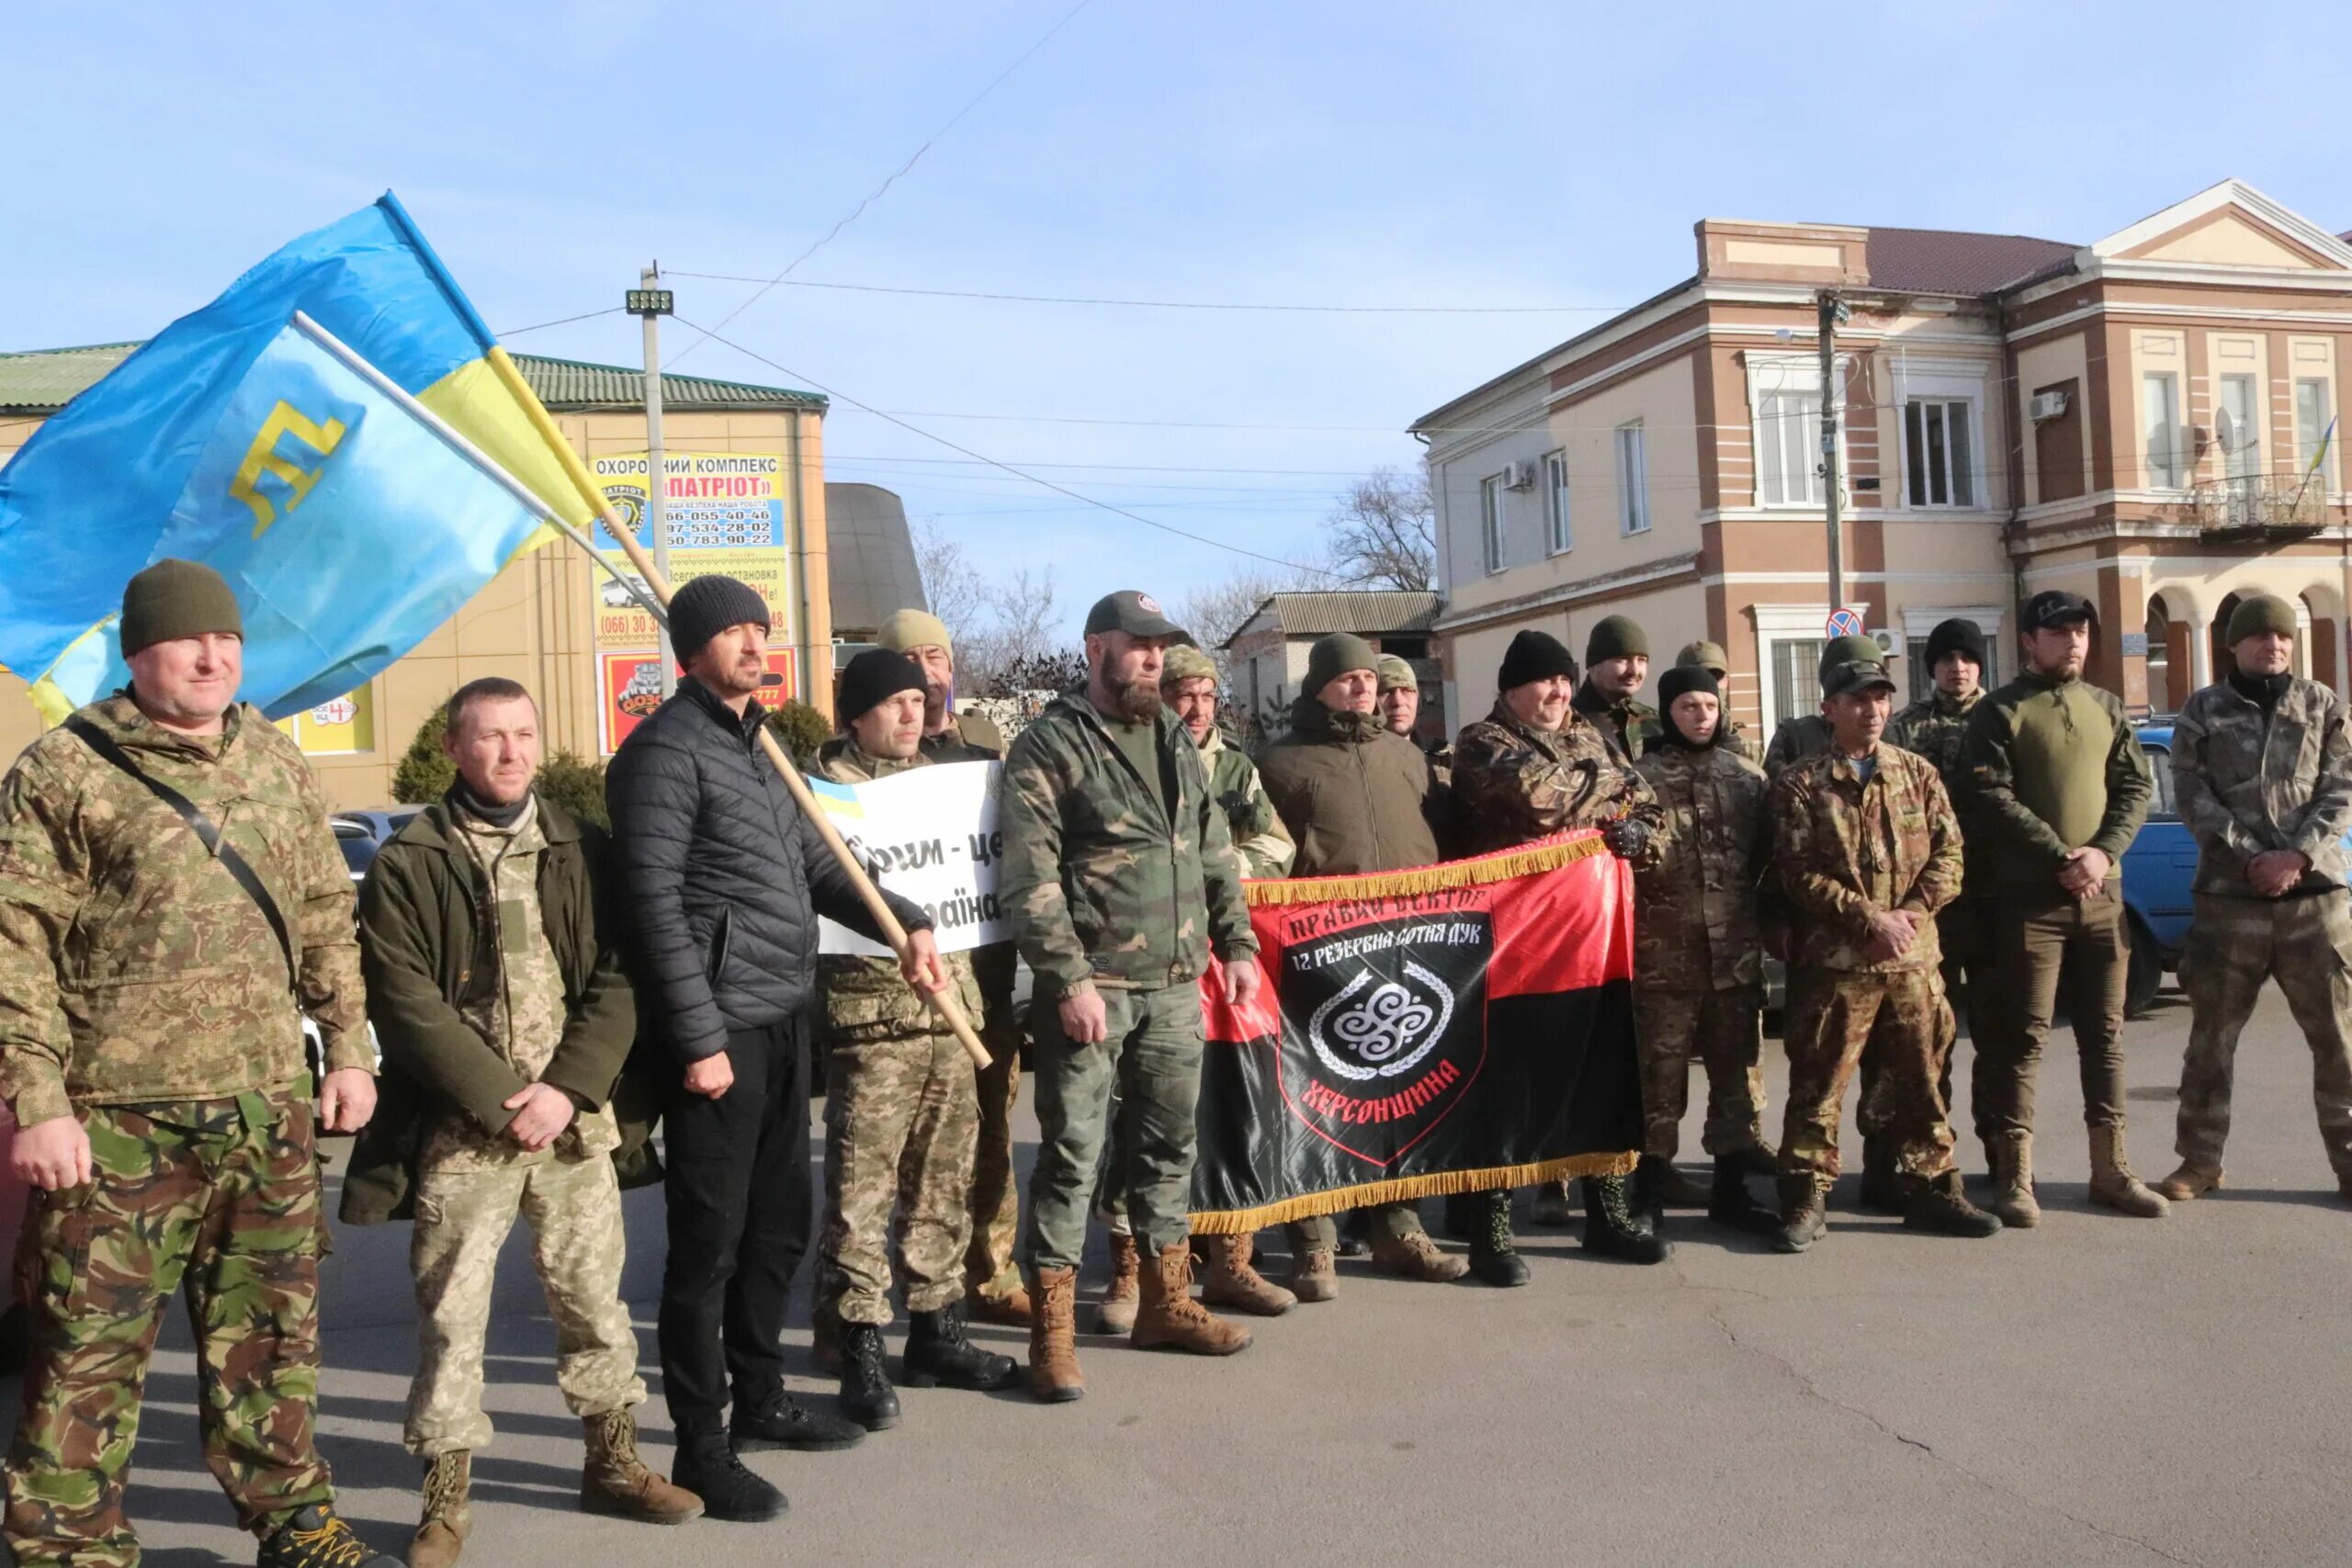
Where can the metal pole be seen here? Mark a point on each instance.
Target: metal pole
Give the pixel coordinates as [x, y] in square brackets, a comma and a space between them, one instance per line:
[657, 481]
[1828, 316]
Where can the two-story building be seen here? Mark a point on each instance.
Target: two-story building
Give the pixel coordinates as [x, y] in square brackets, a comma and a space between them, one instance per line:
[2146, 421]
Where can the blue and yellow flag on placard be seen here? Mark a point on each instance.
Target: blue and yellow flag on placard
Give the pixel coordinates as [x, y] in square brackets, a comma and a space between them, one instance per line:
[337, 434]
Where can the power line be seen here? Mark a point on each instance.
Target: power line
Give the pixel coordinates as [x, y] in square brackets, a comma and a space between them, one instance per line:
[560, 322]
[875, 194]
[1174, 304]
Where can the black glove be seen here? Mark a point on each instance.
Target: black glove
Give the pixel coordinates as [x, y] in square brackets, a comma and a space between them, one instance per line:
[1627, 839]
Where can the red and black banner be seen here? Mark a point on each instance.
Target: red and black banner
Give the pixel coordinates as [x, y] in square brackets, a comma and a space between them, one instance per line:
[1453, 1028]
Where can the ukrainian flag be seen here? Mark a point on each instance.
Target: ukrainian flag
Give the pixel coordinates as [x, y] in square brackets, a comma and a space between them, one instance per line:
[338, 434]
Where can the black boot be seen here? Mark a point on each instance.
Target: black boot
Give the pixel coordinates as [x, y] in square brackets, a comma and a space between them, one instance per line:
[1465, 1216]
[1731, 1204]
[1882, 1186]
[1939, 1205]
[938, 1353]
[775, 1420]
[1802, 1218]
[1609, 1227]
[1355, 1235]
[707, 1466]
[1492, 1257]
[867, 1396]
[1649, 1192]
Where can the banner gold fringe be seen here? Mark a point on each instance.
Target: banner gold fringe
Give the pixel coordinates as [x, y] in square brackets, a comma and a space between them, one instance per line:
[1501, 866]
[1437, 1184]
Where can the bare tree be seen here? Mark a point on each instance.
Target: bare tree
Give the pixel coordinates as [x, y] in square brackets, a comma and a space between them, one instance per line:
[1216, 611]
[1384, 531]
[950, 585]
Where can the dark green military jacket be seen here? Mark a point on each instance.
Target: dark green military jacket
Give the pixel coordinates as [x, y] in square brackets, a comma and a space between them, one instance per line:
[1631, 727]
[2048, 767]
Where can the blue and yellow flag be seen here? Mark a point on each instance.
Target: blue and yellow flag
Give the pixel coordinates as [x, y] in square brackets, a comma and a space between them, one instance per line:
[338, 434]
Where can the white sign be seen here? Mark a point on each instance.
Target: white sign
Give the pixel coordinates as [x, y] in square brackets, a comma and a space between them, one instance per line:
[929, 835]
[339, 710]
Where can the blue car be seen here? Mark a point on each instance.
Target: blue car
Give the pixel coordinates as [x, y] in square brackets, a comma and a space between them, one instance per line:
[2158, 871]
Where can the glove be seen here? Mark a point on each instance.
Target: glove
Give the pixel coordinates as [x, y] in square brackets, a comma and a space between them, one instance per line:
[1627, 839]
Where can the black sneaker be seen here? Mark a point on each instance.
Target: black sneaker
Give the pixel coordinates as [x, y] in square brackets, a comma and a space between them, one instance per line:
[708, 1467]
[778, 1421]
[315, 1538]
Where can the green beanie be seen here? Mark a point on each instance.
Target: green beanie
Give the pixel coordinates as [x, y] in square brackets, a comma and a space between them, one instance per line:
[175, 599]
[1184, 662]
[1616, 637]
[2262, 613]
[1851, 650]
[1334, 656]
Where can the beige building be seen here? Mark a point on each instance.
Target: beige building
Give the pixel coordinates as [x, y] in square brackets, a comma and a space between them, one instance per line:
[2145, 421]
[549, 619]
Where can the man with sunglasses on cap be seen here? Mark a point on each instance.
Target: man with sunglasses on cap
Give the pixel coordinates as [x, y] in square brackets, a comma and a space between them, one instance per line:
[1807, 734]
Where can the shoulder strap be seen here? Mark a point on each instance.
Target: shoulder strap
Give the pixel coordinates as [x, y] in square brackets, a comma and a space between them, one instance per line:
[235, 864]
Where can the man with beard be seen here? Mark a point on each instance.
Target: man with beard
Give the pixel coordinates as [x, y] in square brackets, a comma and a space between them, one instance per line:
[1120, 879]
[1616, 663]
[1359, 798]
[1531, 768]
[1730, 734]
[1698, 955]
[952, 736]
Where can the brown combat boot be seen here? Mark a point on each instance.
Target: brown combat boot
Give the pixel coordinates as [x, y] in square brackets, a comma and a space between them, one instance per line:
[1233, 1283]
[2011, 1155]
[1314, 1271]
[1054, 1377]
[448, 1515]
[2112, 1184]
[615, 1482]
[1010, 1309]
[1169, 1318]
[1116, 1313]
[2192, 1181]
[1416, 1256]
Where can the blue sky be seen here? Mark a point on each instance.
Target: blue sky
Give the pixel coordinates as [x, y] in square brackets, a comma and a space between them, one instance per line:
[1362, 153]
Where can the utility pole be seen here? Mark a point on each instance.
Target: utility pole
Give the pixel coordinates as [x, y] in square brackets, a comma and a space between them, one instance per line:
[651, 304]
[1832, 311]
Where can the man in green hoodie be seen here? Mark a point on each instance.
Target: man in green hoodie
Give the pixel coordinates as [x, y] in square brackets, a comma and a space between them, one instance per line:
[2055, 786]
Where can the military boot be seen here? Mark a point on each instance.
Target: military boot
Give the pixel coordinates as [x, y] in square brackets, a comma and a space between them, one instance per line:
[708, 1466]
[938, 1352]
[317, 1538]
[1883, 1191]
[1116, 1313]
[1355, 1238]
[2012, 1159]
[2112, 1184]
[1609, 1227]
[449, 1517]
[1493, 1260]
[1939, 1204]
[615, 1480]
[1169, 1318]
[1649, 1192]
[1758, 1158]
[1550, 1206]
[1803, 1212]
[1731, 1204]
[1314, 1274]
[2192, 1181]
[1054, 1377]
[866, 1395]
[1414, 1256]
[1679, 1189]
[1464, 1217]
[1233, 1283]
[1006, 1309]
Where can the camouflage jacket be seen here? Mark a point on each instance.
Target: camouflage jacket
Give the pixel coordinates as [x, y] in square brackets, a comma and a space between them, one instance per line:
[2247, 783]
[132, 966]
[867, 999]
[969, 738]
[1259, 836]
[1696, 920]
[1098, 882]
[1807, 735]
[1933, 727]
[1738, 740]
[1631, 727]
[1513, 784]
[1846, 850]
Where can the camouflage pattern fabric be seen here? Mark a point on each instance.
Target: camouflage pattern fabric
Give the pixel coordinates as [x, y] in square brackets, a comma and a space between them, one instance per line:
[1933, 727]
[1259, 836]
[1723, 1027]
[216, 1198]
[102, 888]
[2304, 944]
[1806, 735]
[1846, 850]
[2247, 782]
[1102, 880]
[1696, 919]
[1514, 784]
[463, 1214]
[1148, 1064]
[1630, 727]
[1832, 1015]
[1739, 740]
[902, 1121]
[990, 1269]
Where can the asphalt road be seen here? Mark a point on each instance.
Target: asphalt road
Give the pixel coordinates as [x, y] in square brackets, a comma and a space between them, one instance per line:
[2099, 1391]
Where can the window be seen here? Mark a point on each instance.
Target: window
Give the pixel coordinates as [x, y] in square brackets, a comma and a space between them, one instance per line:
[2310, 423]
[2241, 427]
[1556, 502]
[1788, 443]
[1633, 481]
[2160, 405]
[1938, 453]
[2167, 804]
[1796, 680]
[1490, 521]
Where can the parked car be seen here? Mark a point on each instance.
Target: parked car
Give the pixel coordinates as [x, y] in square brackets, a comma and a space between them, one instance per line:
[359, 834]
[2159, 870]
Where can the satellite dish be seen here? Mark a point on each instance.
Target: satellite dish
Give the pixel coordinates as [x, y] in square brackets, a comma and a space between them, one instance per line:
[2226, 434]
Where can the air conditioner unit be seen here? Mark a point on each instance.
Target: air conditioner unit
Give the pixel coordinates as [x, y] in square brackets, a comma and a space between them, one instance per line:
[2047, 405]
[1519, 476]
[1889, 642]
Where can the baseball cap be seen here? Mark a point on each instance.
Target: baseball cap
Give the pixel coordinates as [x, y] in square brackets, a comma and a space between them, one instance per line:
[1136, 614]
[1855, 675]
[2054, 607]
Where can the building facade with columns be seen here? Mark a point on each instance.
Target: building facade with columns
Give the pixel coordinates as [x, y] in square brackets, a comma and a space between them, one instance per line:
[2147, 420]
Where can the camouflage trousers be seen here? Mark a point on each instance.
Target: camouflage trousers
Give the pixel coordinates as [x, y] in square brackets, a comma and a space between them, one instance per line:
[1724, 1029]
[995, 1208]
[2304, 943]
[902, 1125]
[573, 1207]
[1833, 1015]
[1148, 1065]
[218, 1200]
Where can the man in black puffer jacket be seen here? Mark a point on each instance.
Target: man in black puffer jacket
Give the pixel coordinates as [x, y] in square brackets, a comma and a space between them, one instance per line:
[726, 880]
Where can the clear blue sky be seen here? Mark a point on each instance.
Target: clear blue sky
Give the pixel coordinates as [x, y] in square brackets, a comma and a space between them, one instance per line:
[1356, 153]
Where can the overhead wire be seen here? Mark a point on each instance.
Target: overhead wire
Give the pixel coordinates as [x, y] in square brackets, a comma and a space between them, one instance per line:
[1172, 304]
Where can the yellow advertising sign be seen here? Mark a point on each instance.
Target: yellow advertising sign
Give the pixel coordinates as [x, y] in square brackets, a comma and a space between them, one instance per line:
[338, 728]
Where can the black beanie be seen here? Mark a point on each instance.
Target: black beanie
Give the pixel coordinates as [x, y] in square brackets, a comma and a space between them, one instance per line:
[1616, 637]
[708, 605]
[1675, 683]
[1532, 656]
[1955, 635]
[870, 679]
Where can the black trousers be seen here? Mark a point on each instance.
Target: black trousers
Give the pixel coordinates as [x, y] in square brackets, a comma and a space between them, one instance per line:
[739, 1203]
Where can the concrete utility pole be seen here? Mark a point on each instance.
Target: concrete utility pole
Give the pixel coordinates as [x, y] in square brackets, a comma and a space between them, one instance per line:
[1832, 311]
[651, 304]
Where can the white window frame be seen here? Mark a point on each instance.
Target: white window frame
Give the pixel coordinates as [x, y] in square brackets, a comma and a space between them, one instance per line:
[1778, 624]
[1491, 520]
[1631, 448]
[2308, 448]
[1774, 486]
[1557, 534]
[1770, 375]
[1937, 378]
[2174, 475]
[2240, 465]
[1958, 412]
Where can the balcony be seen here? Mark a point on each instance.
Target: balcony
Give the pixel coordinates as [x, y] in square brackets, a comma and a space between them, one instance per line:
[2261, 506]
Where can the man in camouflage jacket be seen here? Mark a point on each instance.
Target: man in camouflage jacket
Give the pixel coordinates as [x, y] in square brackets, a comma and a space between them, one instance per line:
[1807, 734]
[1616, 665]
[1120, 880]
[2261, 766]
[151, 1046]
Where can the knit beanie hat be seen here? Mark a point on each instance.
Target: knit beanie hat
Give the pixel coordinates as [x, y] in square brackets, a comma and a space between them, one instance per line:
[1335, 656]
[1396, 675]
[1616, 637]
[2262, 613]
[1956, 635]
[1184, 662]
[1706, 655]
[870, 679]
[914, 629]
[708, 605]
[176, 598]
[1677, 682]
[1535, 656]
